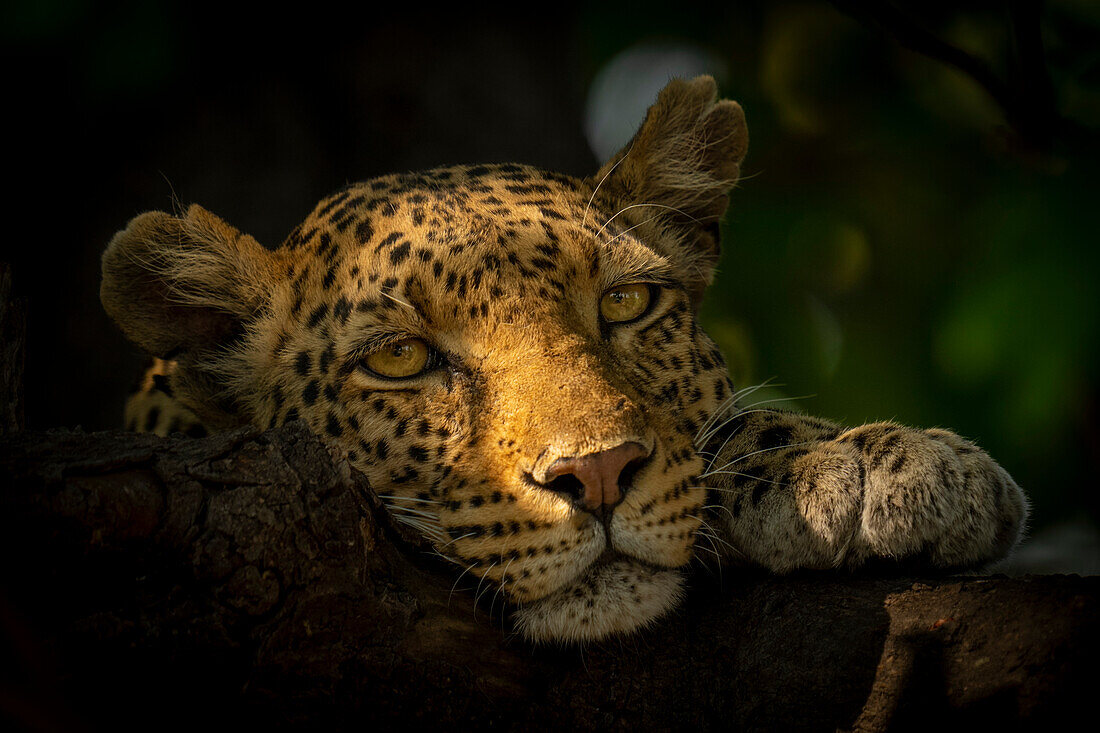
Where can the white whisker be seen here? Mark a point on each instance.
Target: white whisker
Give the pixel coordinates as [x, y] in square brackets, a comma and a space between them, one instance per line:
[725, 468]
[721, 472]
[629, 229]
[723, 508]
[781, 399]
[460, 576]
[500, 587]
[584, 219]
[635, 206]
[716, 535]
[728, 403]
[408, 498]
[410, 510]
[477, 593]
[456, 539]
[398, 300]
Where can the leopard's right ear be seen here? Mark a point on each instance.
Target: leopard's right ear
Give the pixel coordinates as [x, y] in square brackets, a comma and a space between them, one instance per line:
[682, 164]
[178, 286]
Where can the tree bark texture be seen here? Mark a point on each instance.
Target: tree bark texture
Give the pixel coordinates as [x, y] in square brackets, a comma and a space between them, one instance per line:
[13, 341]
[251, 579]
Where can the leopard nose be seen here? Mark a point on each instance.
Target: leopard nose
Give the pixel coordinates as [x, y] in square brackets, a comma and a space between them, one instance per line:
[598, 479]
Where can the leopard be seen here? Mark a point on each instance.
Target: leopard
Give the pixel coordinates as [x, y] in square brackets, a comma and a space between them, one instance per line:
[513, 358]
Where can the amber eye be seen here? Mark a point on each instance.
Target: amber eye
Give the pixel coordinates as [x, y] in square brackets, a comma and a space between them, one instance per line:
[625, 302]
[399, 360]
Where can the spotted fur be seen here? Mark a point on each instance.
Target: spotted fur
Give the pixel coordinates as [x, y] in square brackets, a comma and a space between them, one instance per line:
[500, 269]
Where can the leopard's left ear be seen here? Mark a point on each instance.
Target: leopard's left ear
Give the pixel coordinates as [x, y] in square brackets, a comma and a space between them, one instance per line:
[186, 288]
[683, 161]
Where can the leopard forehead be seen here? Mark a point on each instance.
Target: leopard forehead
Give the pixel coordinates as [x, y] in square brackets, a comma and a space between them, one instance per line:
[452, 229]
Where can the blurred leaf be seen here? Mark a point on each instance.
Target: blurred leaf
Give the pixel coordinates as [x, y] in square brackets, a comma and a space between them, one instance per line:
[828, 336]
[814, 68]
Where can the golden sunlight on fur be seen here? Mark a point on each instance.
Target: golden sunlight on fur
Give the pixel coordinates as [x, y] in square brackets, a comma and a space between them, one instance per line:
[512, 358]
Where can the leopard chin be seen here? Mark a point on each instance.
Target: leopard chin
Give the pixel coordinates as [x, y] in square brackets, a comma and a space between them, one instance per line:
[613, 597]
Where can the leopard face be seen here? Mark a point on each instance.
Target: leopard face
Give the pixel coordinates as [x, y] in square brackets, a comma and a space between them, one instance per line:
[511, 356]
[539, 443]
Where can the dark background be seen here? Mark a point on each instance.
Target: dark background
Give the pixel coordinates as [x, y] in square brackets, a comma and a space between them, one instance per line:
[906, 245]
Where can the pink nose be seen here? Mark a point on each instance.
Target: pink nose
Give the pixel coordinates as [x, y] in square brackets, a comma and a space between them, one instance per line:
[595, 479]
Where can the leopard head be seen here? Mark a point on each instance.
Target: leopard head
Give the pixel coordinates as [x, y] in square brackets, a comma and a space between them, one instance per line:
[510, 355]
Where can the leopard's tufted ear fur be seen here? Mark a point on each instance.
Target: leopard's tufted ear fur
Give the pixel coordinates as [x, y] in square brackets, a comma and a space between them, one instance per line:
[185, 288]
[682, 163]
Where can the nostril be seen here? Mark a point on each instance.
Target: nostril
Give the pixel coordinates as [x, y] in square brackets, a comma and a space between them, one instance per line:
[567, 484]
[630, 470]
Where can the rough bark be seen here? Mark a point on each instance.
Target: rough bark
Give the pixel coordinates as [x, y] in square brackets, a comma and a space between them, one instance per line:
[251, 579]
[13, 338]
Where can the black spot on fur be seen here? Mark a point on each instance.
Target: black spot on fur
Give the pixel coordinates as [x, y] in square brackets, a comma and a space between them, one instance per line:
[302, 363]
[342, 310]
[774, 437]
[309, 394]
[364, 231]
[400, 253]
[326, 357]
[318, 313]
[388, 241]
[758, 491]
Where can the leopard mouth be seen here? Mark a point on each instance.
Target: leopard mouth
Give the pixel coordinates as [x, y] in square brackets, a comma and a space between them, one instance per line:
[616, 594]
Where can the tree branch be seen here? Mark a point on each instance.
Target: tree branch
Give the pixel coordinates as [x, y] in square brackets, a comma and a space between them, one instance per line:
[252, 578]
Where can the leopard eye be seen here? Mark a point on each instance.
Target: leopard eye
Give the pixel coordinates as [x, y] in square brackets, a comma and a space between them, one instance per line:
[399, 360]
[625, 302]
